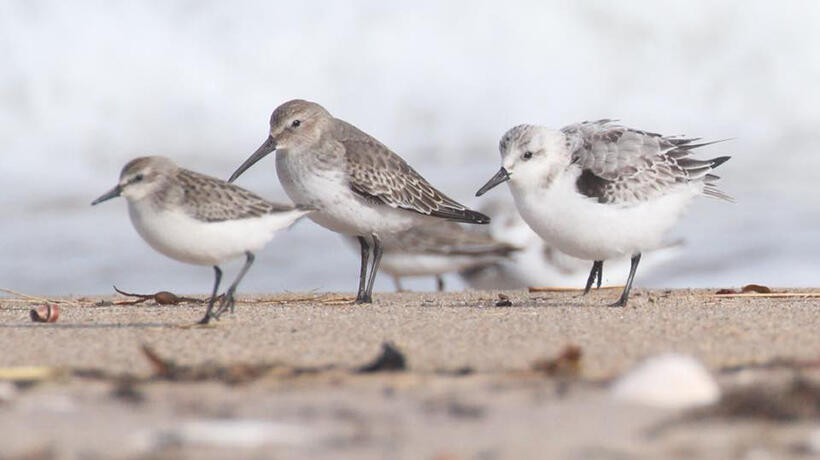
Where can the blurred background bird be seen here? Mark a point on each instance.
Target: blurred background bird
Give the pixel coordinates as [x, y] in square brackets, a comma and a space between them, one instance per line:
[438, 250]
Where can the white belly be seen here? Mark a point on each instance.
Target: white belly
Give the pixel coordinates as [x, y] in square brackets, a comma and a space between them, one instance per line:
[338, 207]
[186, 239]
[586, 229]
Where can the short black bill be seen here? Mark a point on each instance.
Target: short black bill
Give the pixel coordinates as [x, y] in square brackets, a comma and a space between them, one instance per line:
[501, 176]
[267, 147]
[113, 193]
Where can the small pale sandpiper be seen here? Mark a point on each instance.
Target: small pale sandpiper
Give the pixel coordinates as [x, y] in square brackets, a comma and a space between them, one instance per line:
[598, 190]
[199, 219]
[439, 249]
[359, 186]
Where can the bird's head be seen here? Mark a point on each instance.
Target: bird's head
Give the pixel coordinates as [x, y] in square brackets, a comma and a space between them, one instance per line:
[530, 155]
[139, 178]
[294, 125]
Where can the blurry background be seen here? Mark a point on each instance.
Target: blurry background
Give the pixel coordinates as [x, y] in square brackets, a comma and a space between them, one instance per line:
[85, 86]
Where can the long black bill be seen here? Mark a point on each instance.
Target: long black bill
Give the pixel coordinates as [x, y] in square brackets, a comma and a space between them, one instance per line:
[264, 149]
[113, 193]
[501, 176]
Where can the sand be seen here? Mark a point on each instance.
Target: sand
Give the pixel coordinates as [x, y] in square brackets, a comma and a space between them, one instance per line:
[469, 390]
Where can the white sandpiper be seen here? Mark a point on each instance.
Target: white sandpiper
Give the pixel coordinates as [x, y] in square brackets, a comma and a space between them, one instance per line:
[358, 186]
[598, 190]
[199, 219]
[436, 250]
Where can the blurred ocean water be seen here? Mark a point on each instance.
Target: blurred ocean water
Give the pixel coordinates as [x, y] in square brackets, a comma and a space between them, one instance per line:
[87, 85]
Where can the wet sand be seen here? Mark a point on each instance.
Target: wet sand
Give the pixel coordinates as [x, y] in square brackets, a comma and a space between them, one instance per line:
[469, 390]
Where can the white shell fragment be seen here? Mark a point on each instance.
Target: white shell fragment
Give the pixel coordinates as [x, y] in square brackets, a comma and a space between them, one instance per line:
[669, 381]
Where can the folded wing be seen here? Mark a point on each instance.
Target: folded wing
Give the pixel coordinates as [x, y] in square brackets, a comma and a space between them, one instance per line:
[620, 165]
[376, 172]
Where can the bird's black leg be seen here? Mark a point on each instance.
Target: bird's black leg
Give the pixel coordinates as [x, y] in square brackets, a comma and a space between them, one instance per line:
[374, 268]
[600, 273]
[625, 295]
[218, 278]
[440, 283]
[362, 294]
[229, 300]
[597, 268]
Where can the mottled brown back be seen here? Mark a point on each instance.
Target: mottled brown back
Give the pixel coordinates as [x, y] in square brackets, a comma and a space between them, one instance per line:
[375, 171]
[210, 199]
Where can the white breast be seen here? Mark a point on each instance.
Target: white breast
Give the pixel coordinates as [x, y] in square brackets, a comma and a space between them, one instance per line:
[584, 228]
[181, 237]
[339, 208]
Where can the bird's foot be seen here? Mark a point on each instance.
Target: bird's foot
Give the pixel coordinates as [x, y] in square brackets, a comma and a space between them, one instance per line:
[363, 299]
[620, 303]
[227, 304]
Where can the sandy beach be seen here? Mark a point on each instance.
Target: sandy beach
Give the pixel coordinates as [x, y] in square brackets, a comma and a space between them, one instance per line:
[280, 377]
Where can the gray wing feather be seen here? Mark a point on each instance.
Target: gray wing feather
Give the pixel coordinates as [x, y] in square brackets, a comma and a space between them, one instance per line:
[213, 200]
[620, 165]
[378, 173]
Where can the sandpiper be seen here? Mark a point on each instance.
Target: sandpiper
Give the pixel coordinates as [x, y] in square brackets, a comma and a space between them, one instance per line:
[435, 250]
[358, 186]
[199, 219]
[598, 190]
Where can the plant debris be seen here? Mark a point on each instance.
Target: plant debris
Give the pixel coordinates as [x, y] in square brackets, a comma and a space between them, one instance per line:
[390, 360]
[749, 288]
[758, 290]
[47, 313]
[34, 299]
[566, 364]
[566, 289]
[776, 363]
[503, 301]
[28, 374]
[798, 400]
[161, 298]
[327, 299]
[232, 374]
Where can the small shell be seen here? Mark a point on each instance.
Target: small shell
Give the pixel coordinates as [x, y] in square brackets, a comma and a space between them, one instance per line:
[47, 313]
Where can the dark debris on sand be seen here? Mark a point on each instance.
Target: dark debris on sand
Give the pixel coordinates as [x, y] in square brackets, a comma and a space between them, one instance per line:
[390, 360]
[566, 364]
[799, 399]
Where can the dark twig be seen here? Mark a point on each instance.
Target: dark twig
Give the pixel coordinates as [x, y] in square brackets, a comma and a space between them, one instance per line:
[161, 298]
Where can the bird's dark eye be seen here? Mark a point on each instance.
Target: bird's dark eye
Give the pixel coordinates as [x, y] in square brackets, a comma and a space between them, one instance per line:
[138, 177]
[527, 155]
[295, 123]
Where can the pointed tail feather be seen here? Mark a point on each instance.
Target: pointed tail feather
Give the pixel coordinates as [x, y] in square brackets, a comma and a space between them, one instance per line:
[719, 161]
[466, 216]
